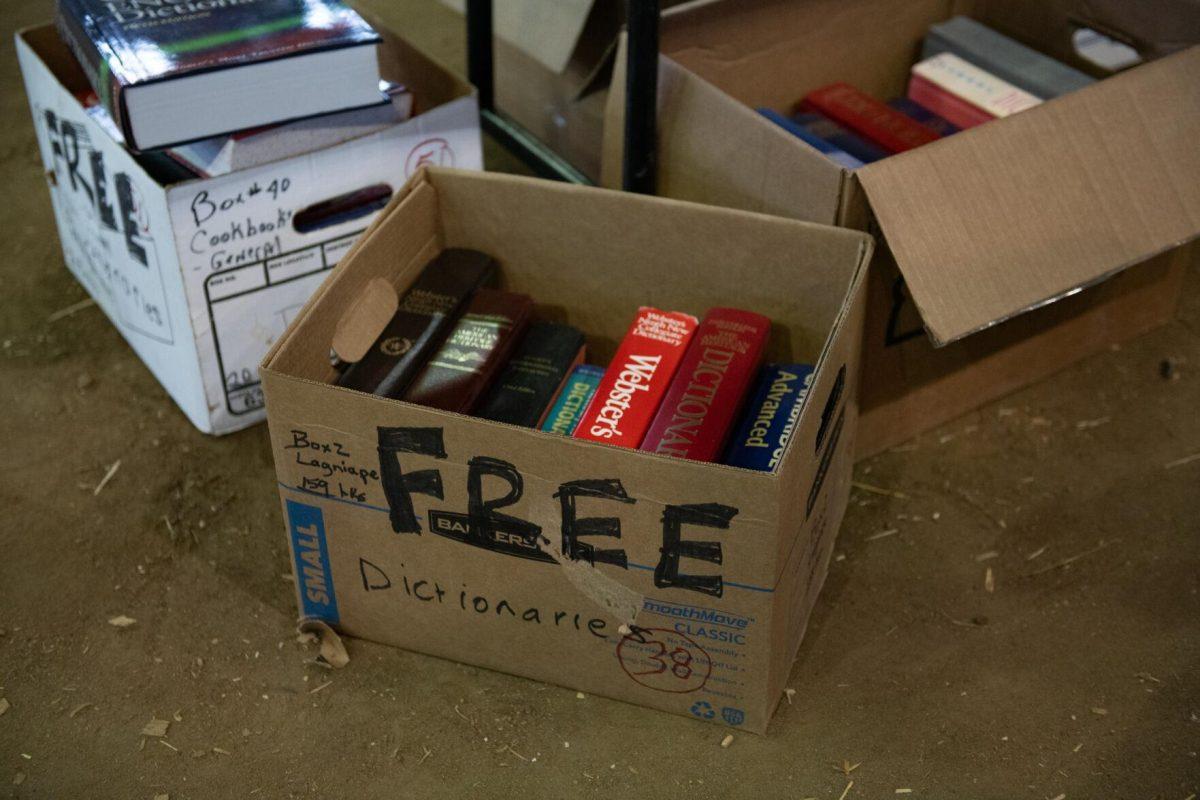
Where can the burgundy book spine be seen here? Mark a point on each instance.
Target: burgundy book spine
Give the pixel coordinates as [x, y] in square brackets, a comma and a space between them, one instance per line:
[473, 353]
[702, 402]
[637, 378]
[868, 117]
[954, 109]
[421, 323]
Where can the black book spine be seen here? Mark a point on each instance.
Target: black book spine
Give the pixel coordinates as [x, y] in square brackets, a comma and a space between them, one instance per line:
[528, 385]
[425, 316]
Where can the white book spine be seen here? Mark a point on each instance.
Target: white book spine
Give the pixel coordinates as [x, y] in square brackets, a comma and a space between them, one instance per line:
[978, 87]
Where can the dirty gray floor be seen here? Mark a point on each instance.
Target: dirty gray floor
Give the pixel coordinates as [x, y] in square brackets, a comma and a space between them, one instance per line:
[1077, 676]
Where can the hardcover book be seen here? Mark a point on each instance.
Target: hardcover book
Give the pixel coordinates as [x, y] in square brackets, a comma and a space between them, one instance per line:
[529, 383]
[838, 136]
[963, 93]
[637, 378]
[174, 72]
[573, 400]
[770, 417]
[703, 400]
[220, 155]
[867, 117]
[935, 122]
[424, 318]
[820, 145]
[468, 361]
[1007, 59]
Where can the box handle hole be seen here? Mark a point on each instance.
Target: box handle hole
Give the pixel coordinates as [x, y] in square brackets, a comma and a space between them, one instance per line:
[342, 208]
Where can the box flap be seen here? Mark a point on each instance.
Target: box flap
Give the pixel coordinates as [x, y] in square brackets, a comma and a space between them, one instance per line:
[1000, 219]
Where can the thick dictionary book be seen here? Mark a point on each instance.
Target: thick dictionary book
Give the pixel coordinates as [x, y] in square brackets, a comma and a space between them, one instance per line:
[937, 123]
[220, 155]
[823, 146]
[172, 72]
[868, 117]
[963, 93]
[573, 400]
[839, 136]
[637, 378]
[423, 319]
[472, 355]
[1008, 59]
[523, 393]
[703, 400]
[770, 417]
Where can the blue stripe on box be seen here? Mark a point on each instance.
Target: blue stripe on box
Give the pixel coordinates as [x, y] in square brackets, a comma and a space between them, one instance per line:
[306, 524]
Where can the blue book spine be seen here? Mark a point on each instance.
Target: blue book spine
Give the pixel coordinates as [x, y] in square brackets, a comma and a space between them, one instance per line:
[820, 145]
[914, 110]
[770, 417]
[573, 400]
[864, 150]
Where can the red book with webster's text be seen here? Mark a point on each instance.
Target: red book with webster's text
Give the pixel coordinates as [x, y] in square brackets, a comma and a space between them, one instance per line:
[866, 116]
[718, 370]
[637, 378]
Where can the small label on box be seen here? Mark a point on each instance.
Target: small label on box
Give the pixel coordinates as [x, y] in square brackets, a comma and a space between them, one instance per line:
[306, 524]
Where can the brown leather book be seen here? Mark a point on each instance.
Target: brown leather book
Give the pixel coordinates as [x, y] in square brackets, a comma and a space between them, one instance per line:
[473, 353]
[425, 316]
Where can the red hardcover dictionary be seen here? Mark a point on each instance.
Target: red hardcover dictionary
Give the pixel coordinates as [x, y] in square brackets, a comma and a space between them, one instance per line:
[472, 355]
[634, 383]
[703, 400]
[866, 116]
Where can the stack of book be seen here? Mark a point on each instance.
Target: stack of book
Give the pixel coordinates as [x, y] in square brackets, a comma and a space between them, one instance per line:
[969, 74]
[221, 86]
[677, 385]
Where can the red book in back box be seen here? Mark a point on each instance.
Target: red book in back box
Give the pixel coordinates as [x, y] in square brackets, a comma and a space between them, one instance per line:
[868, 117]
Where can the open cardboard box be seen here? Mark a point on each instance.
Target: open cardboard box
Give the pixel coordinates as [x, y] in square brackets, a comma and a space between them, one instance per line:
[201, 276]
[987, 230]
[686, 586]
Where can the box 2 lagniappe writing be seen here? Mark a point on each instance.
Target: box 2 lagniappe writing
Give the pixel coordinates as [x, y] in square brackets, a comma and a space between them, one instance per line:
[200, 276]
[674, 584]
[1019, 246]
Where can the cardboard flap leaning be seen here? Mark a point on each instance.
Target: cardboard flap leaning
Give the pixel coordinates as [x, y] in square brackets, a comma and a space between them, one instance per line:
[572, 562]
[994, 221]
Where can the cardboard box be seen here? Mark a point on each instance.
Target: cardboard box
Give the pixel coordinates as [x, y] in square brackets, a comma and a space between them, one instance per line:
[202, 276]
[446, 534]
[987, 230]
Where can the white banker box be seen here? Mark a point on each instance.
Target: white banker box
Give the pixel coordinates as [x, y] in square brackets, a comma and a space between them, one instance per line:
[202, 276]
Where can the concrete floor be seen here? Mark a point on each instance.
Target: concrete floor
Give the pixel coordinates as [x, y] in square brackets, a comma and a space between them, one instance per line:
[1076, 680]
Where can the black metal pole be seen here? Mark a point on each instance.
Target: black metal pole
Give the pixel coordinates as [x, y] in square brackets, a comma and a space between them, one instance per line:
[479, 51]
[640, 168]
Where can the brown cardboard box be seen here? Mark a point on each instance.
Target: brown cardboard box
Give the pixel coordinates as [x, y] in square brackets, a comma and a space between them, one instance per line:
[396, 512]
[991, 228]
